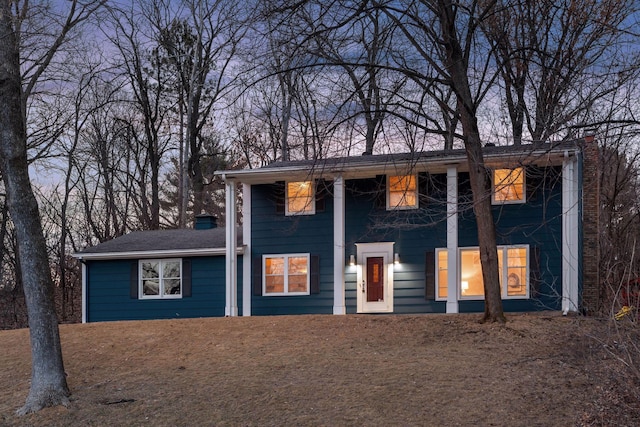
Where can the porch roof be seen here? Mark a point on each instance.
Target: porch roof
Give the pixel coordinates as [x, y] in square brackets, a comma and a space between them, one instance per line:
[432, 161]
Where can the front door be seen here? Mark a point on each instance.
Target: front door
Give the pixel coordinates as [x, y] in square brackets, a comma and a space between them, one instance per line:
[375, 277]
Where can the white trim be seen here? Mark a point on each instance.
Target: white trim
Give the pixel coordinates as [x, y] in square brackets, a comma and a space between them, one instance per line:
[172, 253]
[339, 306]
[285, 274]
[84, 292]
[452, 241]
[401, 207]
[231, 255]
[312, 202]
[509, 202]
[366, 250]
[246, 256]
[161, 295]
[570, 238]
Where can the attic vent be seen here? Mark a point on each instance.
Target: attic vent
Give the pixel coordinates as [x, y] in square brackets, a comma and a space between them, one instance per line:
[205, 221]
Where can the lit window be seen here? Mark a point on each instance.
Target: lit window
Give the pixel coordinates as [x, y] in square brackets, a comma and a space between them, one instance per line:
[508, 185]
[442, 277]
[286, 274]
[300, 198]
[402, 192]
[160, 278]
[512, 266]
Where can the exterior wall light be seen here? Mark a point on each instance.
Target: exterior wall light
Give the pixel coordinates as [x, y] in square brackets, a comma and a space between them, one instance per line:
[396, 258]
[352, 260]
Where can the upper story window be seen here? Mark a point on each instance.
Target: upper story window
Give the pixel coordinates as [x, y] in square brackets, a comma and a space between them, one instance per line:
[300, 198]
[286, 274]
[160, 278]
[508, 185]
[402, 192]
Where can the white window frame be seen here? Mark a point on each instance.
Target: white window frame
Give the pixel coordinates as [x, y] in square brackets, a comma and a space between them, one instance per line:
[161, 279]
[509, 202]
[503, 273]
[388, 195]
[312, 203]
[286, 274]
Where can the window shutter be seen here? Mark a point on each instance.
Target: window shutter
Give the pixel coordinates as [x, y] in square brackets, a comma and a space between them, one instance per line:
[186, 277]
[280, 195]
[257, 275]
[430, 275]
[321, 193]
[380, 201]
[423, 189]
[133, 281]
[534, 272]
[314, 274]
[532, 180]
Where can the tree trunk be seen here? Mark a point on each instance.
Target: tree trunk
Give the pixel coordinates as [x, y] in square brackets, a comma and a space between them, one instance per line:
[478, 174]
[48, 381]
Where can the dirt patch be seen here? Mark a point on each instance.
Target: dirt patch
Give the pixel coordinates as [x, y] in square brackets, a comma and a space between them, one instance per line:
[538, 370]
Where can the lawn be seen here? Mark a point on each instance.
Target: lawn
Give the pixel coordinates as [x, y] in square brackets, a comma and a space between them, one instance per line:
[355, 370]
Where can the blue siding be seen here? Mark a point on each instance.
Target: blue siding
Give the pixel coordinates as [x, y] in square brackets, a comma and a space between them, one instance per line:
[414, 232]
[274, 233]
[538, 223]
[108, 296]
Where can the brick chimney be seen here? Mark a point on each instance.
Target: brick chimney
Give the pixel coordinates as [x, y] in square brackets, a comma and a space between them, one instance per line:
[205, 221]
[591, 298]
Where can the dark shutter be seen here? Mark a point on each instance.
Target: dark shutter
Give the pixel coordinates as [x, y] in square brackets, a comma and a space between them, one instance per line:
[314, 274]
[532, 180]
[380, 201]
[133, 280]
[321, 193]
[186, 277]
[423, 189]
[257, 275]
[279, 191]
[534, 272]
[430, 275]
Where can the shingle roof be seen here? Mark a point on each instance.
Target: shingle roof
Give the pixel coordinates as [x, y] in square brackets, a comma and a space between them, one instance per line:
[163, 240]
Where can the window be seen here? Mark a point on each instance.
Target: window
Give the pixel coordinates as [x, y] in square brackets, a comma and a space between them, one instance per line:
[286, 274]
[402, 192]
[300, 198]
[160, 278]
[508, 185]
[512, 266]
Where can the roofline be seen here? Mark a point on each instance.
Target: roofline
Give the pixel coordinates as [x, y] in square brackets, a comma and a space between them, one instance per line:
[170, 253]
[535, 154]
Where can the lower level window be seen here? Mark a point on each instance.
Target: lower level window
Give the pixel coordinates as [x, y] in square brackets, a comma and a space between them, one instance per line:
[160, 278]
[286, 274]
[513, 265]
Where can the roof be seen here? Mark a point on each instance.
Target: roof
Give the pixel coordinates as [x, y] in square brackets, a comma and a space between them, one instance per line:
[158, 243]
[434, 161]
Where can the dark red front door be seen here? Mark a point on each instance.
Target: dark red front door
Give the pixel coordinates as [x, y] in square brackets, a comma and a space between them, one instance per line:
[375, 279]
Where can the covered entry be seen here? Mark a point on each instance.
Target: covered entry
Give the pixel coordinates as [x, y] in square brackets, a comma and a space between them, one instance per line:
[374, 288]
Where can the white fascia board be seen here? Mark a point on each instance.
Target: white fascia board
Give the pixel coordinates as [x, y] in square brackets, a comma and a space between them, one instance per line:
[366, 169]
[153, 254]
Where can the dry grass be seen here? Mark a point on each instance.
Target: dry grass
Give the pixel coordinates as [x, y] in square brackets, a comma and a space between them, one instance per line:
[433, 370]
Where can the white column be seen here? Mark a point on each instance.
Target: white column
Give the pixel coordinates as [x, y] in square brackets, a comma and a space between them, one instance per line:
[452, 239]
[246, 256]
[231, 304]
[338, 246]
[84, 291]
[570, 238]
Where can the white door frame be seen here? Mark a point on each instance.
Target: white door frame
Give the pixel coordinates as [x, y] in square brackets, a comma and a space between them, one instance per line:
[367, 250]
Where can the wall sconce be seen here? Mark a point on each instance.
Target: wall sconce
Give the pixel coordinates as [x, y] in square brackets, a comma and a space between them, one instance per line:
[396, 258]
[352, 259]
[464, 285]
